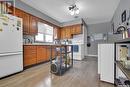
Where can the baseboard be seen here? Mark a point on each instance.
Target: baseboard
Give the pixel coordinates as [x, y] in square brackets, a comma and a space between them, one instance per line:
[107, 82]
[103, 81]
[93, 55]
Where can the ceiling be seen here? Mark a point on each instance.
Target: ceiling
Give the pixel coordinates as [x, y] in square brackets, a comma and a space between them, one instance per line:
[93, 11]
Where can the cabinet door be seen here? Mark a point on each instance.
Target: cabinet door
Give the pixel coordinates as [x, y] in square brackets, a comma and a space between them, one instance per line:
[63, 33]
[29, 55]
[73, 30]
[58, 33]
[33, 25]
[68, 32]
[41, 54]
[78, 29]
[26, 24]
[29, 60]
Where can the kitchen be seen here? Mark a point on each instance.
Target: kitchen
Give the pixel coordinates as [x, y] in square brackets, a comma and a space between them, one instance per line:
[40, 47]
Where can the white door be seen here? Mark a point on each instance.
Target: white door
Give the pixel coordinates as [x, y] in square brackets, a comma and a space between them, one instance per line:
[10, 36]
[107, 62]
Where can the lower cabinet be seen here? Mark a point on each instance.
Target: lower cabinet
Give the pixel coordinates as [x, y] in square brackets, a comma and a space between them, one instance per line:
[29, 55]
[41, 54]
[36, 54]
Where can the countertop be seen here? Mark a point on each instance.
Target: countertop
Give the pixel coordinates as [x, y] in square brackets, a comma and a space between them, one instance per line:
[38, 44]
[47, 44]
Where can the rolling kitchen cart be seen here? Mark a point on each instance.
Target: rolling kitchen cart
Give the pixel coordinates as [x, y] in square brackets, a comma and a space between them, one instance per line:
[61, 58]
[121, 65]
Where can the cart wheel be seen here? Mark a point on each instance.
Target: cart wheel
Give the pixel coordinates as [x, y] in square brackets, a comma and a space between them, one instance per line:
[54, 68]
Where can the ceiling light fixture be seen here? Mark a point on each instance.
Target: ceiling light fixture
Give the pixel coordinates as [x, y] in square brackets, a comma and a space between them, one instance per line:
[73, 9]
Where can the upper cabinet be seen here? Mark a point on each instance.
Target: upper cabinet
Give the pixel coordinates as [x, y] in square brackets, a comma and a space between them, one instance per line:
[76, 29]
[33, 25]
[63, 33]
[29, 22]
[68, 31]
[25, 18]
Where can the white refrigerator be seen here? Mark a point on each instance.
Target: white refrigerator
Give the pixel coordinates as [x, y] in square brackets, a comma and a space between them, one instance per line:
[11, 50]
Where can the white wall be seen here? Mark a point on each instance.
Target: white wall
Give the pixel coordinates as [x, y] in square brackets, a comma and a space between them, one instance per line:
[104, 28]
[123, 5]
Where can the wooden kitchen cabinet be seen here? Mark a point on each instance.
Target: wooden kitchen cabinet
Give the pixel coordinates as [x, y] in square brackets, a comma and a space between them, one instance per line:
[68, 32]
[37, 54]
[73, 29]
[78, 29]
[41, 54]
[25, 18]
[30, 56]
[63, 33]
[29, 22]
[33, 29]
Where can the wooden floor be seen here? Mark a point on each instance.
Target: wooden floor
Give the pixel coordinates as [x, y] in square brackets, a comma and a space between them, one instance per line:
[83, 74]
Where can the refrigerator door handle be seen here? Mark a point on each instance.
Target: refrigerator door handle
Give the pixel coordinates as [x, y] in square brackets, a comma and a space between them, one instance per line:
[11, 54]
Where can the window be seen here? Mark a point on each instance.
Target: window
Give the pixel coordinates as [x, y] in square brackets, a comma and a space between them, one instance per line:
[45, 33]
[39, 37]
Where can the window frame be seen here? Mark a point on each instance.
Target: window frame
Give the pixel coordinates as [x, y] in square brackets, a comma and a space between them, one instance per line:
[44, 34]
